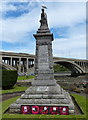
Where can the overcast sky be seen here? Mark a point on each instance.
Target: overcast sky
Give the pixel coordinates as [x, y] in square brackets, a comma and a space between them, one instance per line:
[67, 22]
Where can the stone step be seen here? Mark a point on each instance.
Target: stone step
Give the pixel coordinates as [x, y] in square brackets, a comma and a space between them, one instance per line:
[42, 96]
[42, 101]
[16, 108]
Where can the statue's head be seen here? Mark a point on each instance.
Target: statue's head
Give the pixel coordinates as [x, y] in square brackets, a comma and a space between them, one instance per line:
[42, 10]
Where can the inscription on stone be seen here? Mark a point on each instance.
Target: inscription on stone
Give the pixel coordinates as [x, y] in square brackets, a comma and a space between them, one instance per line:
[43, 59]
[42, 88]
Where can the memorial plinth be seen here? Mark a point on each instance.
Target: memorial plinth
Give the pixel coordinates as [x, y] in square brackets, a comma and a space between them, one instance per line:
[44, 90]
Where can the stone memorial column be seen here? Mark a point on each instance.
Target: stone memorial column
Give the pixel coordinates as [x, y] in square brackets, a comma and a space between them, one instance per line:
[44, 90]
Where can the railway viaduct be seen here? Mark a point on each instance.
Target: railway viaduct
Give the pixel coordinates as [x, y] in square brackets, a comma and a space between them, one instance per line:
[25, 62]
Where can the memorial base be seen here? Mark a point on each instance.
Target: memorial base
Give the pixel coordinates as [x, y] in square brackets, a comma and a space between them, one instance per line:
[45, 96]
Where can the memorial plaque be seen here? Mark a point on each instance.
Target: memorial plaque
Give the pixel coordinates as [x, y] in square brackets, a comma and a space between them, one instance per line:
[42, 88]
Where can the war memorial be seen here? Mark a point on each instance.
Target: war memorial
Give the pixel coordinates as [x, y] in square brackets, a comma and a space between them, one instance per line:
[45, 96]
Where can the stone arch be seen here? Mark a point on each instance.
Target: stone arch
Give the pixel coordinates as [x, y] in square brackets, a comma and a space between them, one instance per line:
[73, 67]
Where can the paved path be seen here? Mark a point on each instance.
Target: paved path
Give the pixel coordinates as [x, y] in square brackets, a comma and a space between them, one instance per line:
[7, 96]
[82, 94]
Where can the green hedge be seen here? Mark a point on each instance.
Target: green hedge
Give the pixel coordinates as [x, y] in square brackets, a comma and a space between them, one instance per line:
[9, 78]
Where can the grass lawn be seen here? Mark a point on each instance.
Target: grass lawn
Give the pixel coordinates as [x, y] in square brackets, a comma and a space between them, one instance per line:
[25, 77]
[14, 89]
[80, 100]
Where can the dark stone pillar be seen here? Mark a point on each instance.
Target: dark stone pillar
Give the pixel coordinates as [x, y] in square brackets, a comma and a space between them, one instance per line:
[44, 90]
